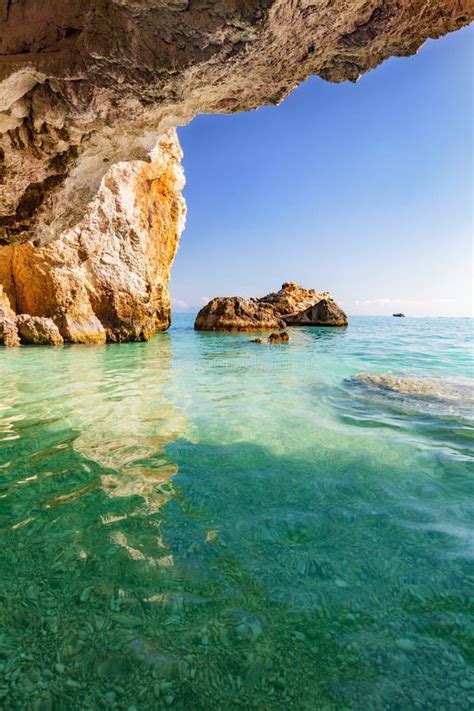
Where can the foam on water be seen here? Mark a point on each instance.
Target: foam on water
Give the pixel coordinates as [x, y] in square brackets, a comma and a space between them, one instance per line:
[199, 523]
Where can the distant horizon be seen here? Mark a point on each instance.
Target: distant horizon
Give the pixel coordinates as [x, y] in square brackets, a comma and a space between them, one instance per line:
[193, 311]
[362, 190]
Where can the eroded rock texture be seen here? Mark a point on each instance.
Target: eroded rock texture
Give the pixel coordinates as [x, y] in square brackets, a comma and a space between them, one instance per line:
[234, 313]
[293, 305]
[108, 278]
[85, 84]
[298, 306]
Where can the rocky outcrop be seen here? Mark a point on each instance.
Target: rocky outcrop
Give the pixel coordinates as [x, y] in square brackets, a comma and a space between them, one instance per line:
[234, 313]
[298, 306]
[293, 305]
[85, 84]
[38, 331]
[324, 313]
[108, 278]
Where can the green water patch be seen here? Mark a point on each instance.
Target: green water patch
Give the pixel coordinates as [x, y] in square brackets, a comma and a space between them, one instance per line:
[195, 523]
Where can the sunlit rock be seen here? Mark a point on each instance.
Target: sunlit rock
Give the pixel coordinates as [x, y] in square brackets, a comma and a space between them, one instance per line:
[38, 331]
[293, 305]
[298, 306]
[108, 279]
[234, 313]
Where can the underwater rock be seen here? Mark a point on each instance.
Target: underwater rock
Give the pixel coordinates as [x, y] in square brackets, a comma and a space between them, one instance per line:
[425, 387]
[37, 330]
[234, 313]
[293, 305]
[8, 330]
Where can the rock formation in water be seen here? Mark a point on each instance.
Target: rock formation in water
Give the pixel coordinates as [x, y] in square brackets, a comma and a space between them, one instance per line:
[85, 84]
[298, 306]
[108, 278]
[234, 313]
[38, 331]
[293, 305]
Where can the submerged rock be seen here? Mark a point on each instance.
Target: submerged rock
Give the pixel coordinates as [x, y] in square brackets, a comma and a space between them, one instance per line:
[234, 313]
[425, 387]
[37, 330]
[273, 338]
[293, 305]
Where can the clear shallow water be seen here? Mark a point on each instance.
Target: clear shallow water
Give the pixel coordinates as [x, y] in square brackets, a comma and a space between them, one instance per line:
[200, 522]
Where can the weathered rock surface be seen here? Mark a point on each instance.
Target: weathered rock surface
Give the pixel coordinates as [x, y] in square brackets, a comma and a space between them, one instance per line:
[417, 387]
[38, 331]
[279, 337]
[325, 313]
[85, 84]
[293, 305]
[8, 332]
[298, 306]
[108, 278]
[234, 313]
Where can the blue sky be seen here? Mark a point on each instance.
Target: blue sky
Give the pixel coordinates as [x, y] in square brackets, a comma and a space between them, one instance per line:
[364, 190]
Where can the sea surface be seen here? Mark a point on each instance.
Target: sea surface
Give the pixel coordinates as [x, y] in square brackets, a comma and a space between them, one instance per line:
[200, 522]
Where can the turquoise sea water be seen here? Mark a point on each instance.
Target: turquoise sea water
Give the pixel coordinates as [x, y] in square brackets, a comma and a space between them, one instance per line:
[203, 523]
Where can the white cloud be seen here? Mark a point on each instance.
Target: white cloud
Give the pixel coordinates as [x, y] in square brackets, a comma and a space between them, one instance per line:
[444, 301]
[204, 300]
[368, 302]
[180, 304]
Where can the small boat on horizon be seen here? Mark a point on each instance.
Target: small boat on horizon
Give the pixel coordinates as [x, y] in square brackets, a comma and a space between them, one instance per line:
[400, 315]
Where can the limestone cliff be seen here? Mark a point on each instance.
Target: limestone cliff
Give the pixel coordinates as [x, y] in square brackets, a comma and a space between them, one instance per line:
[85, 84]
[108, 278]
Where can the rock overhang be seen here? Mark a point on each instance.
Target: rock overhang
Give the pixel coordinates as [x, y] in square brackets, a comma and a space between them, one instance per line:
[85, 84]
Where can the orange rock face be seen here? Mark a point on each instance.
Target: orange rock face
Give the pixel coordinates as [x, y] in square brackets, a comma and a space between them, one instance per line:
[233, 313]
[108, 278]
